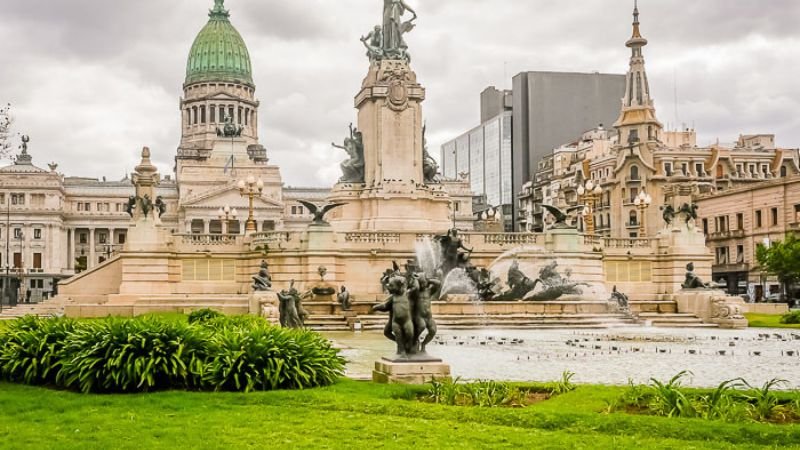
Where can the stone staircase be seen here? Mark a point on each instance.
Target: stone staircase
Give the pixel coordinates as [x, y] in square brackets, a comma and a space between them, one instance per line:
[47, 308]
[673, 320]
[513, 321]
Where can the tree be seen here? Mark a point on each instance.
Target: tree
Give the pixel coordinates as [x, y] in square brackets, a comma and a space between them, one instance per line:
[6, 120]
[781, 259]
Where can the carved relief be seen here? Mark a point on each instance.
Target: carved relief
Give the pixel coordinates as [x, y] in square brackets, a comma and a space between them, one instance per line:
[396, 76]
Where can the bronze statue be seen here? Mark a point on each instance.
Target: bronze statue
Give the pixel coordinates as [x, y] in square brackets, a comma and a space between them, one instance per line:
[319, 213]
[394, 45]
[229, 129]
[430, 168]
[668, 214]
[263, 281]
[620, 299]
[147, 205]
[692, 280]
[426, 291]
[292, 314]
[689, 211]
[353, 168]
[130, 207]
[401, 321]
[560, 216]
[161, 207]
[344, 299]
[452, 258]
[374, 44]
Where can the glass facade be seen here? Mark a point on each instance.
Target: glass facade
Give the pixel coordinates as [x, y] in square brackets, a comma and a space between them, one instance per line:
[484, 153]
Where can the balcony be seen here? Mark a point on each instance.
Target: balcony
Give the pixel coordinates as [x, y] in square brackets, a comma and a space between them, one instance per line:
[730, 268]
[723, 235]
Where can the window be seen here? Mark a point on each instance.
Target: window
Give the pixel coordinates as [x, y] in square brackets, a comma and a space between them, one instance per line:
[634, 194]
[698, 168]
[634, 219]
[758, 219]
[739, 169]
[101, 237]
[797, 213]
[634, 172]
[740, 254]
[705, 226]
[17, 260]
[668, 169]
[783, 172]
[740, 221]
[722, 255]
[213, 113]
[121, 239]
[774, 217]
[82, 238]
[17, 233]
[752, 169]
[37, 233]
[685, 169]
[765, 170]
[37, 260]
[18, 199]
[202, 114]
[633, 137]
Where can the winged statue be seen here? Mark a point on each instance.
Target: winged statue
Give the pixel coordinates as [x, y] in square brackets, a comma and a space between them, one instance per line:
[320, 212]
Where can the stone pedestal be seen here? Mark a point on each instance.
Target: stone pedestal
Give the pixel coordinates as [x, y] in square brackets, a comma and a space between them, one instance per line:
[713, 306]
[265, 304]
[389, 371]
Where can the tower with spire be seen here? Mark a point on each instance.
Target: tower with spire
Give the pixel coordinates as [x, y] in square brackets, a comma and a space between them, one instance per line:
[637, 122]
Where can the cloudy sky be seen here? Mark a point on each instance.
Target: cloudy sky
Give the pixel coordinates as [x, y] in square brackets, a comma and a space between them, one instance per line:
[92, 81]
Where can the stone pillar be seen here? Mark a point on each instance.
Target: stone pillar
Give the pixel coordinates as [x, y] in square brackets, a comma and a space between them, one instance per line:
[70, 249]
[259, 226]
[92, 250]
[206, 226]
[224, 224]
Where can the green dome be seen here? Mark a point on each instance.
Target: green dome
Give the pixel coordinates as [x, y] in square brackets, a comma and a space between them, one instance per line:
[219, 52]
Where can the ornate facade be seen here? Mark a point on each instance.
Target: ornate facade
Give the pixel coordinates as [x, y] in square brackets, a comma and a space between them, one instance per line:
[637, 156]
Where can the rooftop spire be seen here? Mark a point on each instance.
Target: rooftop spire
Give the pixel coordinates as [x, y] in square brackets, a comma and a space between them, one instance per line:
[636, 41]
[219, 11]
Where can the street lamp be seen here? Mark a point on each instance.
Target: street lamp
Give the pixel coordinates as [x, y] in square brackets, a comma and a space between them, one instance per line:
[21, 269]
[225, 215]
[642, 202]
[588, 194]
[250, 188]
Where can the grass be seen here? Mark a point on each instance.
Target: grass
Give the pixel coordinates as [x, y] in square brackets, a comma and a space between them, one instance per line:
[768, 321]
[353, 415]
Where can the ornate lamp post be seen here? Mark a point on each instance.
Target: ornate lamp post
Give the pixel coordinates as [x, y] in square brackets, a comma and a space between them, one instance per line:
[642, 202]
[227, 214]
[588, 194]
[250, 188]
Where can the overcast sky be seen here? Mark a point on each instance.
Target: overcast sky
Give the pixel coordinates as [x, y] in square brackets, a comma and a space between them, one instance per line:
[92, 81]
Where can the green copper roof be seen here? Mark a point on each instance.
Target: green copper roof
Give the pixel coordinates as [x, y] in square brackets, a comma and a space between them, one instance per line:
[219, 52]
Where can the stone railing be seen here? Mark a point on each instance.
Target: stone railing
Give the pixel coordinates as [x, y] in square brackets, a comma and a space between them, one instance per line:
[211, 239]
[512, 239]
[271, 237]
[372, 238]
[628, 243]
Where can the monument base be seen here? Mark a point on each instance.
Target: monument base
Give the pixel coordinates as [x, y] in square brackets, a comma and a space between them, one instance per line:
[265, 304]
[388, 371]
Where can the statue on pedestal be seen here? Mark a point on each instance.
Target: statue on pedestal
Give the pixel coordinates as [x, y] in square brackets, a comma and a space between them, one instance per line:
[689, 211]
[400, 328]
[452, 257]
[147, 205]
[130, 207]
[319, 212]
[292, 314]
[353, 168]
[263, 281]
[161, 207]
[430, 168]
[374, 44]
[229, 129]
[692, 280]
[344, 299]
[394, 45]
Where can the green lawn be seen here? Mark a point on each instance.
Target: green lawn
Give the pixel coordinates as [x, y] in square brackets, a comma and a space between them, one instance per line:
[768, 321]
[351, 415]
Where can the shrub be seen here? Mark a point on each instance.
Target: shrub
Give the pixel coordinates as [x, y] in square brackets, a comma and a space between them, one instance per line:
[482, 393]
[792, 318]
[668, 399]
[204, 315]
[132, 355]
[763, 403]
[31, 349]
[247, 355]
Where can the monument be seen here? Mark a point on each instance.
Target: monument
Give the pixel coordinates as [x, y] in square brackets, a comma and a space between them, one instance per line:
[389, 182]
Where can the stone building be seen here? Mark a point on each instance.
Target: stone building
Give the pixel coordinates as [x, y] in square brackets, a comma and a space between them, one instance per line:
[637, 156]
[739, 220]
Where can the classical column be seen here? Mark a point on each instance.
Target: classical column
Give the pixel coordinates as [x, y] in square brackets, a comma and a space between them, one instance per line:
[70, 249]
[92, 250]
[224, 225]
[259, 226]
[206, 226]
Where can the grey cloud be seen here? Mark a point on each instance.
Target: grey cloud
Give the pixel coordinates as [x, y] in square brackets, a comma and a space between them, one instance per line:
[94, 80]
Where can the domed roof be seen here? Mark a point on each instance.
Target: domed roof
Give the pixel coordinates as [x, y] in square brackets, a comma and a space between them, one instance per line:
[219, 52]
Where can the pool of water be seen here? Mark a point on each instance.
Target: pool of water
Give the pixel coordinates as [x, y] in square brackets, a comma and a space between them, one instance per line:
[612, 356]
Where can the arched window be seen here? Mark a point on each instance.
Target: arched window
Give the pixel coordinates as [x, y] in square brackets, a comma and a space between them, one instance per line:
[213, 113]
[634, 219]
[608, 221]
[194, 115]
[634, 172]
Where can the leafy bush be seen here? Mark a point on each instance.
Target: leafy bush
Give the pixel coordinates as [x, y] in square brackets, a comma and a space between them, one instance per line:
[248, 355]
[764, 405]
[563, 385]
[31, 349]
[132, 355]
[668, 399]
[792, 318]
[204, 315]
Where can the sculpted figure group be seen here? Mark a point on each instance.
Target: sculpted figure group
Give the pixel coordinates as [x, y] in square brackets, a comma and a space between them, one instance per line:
[409, 308]
[387, 41]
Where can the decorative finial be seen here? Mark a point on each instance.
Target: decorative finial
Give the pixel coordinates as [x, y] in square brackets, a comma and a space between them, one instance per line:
[219, 9]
